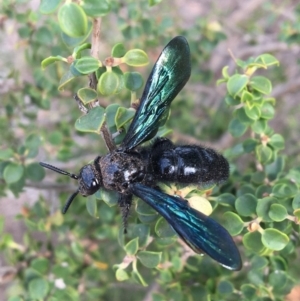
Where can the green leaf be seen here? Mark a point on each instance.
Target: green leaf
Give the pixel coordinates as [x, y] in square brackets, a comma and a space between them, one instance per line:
[138, 278]
[225, 73]
[267, 60]
[87, 65]
[277, 142]
[6, 154]
[111, 112]
[274, 239]
[261, 84]
[38, 288]
[65, 79]
[136, 58]
[144, 209]
[267, 111]
[237, 128]
[252, 112]
[163, 229]
[248, 291]
[278, 212]
[118, 50]
[133, 81]
[120, 75]
[233, 223]
[296, 201]
[247, 97]
[241, 115]
[264, 154]
[78, 49]
[236, 84]
[52, 59]
[35, 172]
[73, 42]
[259, 126]
[108, 83]
[141, 231]
[33, 141]
[249, 145]
[278, 279]
[96, 8]
[246, 204]
[87, 95]
[226, 199]
[91, 205]
[121, 275]
[123, 116]
[258, 262]
[263, 208]
[230, 101]
[72, 20]
[132, 247]
[252, 241]
[13, 173]
[92, 121]
[258, 177]
[285, 189]
[273, 169]
[149, 259]
[55, 138]
[41, 265]
[153, 2]
[225, 287]
[109, 197]
[48, 7]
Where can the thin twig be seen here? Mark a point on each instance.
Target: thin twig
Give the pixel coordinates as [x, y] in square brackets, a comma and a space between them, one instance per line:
[153, 288]
[95, 49]
[107, 138]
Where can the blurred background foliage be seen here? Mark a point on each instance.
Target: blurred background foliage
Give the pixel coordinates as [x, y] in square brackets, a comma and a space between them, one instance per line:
[47, 256]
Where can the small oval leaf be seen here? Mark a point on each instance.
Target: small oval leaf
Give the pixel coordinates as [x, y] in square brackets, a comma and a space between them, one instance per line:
[87, 65]
[92, 121]
[13, 173]
[261, 84]
[136, 58]
[87, 95]
[236, 84]
[233, 223]
[149, 259]
[274, 239]
[108, 83]
[133, 81]
[96, 8]
[72, 20]
[132, 247]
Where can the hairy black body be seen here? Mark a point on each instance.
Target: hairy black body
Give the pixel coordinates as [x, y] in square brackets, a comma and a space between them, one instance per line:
[135, 170]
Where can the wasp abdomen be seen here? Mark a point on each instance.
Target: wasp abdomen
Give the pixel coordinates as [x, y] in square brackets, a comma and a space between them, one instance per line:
[187, 163]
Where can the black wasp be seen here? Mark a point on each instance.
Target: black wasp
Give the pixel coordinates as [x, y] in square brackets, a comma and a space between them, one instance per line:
[132, 170]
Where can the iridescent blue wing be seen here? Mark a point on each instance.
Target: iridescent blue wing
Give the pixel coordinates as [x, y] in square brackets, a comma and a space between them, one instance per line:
[200, 232]
[170, 73]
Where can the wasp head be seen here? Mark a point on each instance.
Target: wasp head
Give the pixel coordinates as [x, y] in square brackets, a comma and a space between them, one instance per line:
[89, 181]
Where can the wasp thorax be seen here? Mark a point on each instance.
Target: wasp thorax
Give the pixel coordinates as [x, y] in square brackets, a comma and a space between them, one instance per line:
[119, 170]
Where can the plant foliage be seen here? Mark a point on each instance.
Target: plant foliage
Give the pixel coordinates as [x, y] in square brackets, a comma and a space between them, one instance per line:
[85, 255]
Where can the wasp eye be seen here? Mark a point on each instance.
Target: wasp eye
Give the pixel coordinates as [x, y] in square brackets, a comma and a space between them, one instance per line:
[125, 185]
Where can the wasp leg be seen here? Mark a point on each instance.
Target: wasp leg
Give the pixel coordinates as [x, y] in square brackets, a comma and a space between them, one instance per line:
[124, 202]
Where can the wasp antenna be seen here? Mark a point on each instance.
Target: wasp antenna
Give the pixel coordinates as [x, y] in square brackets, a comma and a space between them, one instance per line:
[69, 202]
[59, 170]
